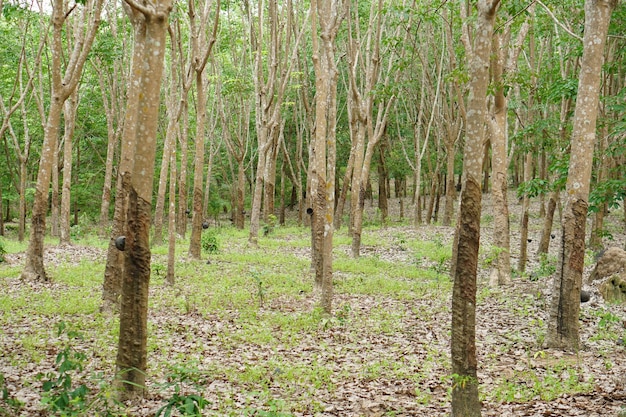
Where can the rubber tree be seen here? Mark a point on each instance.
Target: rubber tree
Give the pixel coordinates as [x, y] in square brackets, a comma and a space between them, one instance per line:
[151, 23]
[465, 401]
[273, 64]
[62, 86]
[563, 324]
[22, 86]
[371, 69]
[503, 65]
[201, 46]
[326, 17]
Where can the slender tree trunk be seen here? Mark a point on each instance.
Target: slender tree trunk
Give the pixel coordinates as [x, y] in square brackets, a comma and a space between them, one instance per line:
[563, 324]
[170, 143]
[198, 177]
[171, 221]
[69, 115]
[383, 204]
[113, 135]
[465, 402]
[323, 182]
[241, 193]
[450, 189]
[341, 202]
[595, 238]
[255, 214]
[181, 223]
[546, 231]
[55, 203]
[523, 247]
[200, 50]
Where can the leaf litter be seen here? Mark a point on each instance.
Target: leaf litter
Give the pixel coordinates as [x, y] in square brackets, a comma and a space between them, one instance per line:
[379, 355]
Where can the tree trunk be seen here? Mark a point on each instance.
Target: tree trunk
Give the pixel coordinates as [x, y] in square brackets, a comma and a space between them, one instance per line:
[269, 177]
[113, 135]
[546, 231]
[181, 222]
[523, 247]
[465, 402]
[201, 47]
[113, 270]
[255, 214]
[168, 145]
[69, 117]
[383, 204]
[198, 176]
[170, 277]
[450, 189]
[132, 347]
[240, 196]
[563, 324]
[341, 202]
[323, 182]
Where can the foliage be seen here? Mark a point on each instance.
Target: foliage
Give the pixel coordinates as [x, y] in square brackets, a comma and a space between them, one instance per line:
[533, 188]
[492, 255]
[3, 250]
[186, 404]
[63, 397]
[259, 286]
[547, 267]
[209, 242]
[269, 225]
[547, 385]
[609, 192]
[60, 396]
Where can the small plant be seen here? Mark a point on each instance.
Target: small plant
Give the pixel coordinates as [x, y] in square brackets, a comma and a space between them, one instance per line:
[460, 381]
[60, 395]
[438, 241]
[401, 242]
[274, 410]
[13, 405]
[492, 256]
[441, 265]
[260, 287]
[3, 250]
[158, 269]
[76, 232]
[547, 267]
[269, 226]
[606, 319]
[209, 242]
[187, 404]
[343, 314]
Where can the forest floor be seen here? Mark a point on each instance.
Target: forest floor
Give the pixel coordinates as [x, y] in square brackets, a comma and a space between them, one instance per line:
[241, 331]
